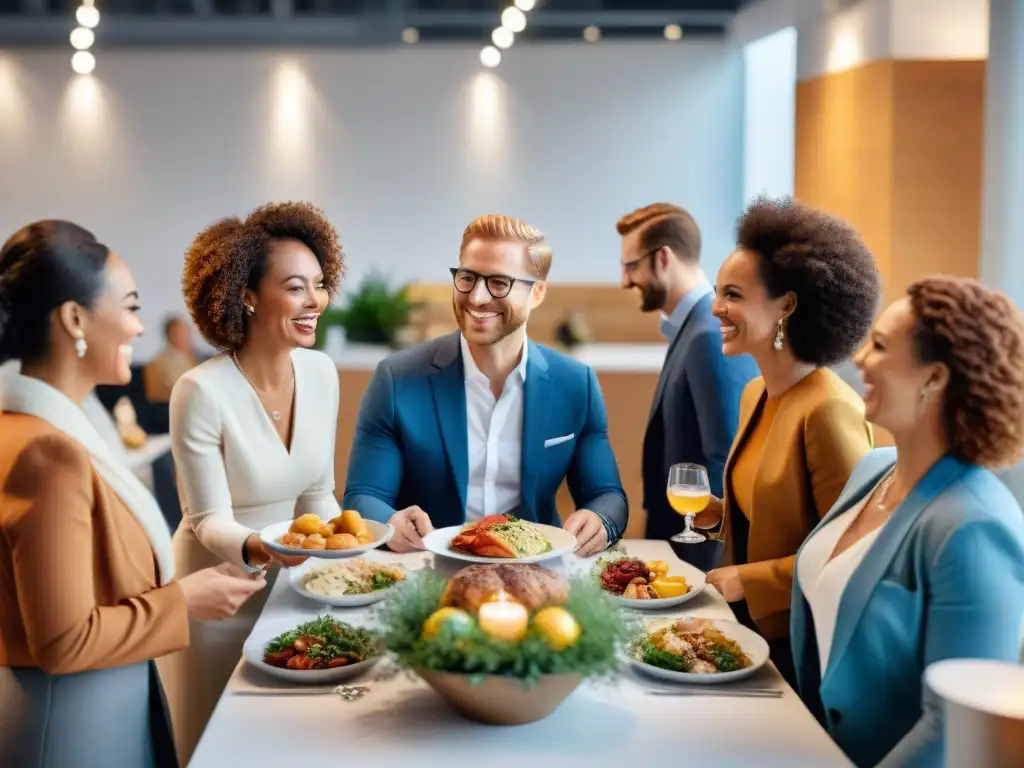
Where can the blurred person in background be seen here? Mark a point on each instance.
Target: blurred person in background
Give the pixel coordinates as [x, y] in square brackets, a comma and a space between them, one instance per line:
[88, 595]
[922, 557]
[176, 358]
[695, 412]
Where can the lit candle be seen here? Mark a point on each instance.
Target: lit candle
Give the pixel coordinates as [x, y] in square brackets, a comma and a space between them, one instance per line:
[504, 619]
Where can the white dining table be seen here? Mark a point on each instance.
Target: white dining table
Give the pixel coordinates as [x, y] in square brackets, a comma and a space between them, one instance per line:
[401, 722]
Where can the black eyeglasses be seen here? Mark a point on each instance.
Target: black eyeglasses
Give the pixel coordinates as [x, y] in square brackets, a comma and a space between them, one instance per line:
[629, 266]
[498, 286]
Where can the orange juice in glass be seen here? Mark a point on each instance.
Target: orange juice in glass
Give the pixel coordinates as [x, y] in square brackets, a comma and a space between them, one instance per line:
[688, 493]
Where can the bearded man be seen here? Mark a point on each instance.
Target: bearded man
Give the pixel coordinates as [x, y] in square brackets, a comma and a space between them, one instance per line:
[695, 413]
[484, 421]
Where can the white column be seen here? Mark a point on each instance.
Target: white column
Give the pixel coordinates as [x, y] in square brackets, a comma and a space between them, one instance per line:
[1002, 238]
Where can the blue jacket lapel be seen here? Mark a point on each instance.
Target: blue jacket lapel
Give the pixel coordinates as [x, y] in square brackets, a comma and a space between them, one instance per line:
[879, 557]
[448, 383]
[538, 392]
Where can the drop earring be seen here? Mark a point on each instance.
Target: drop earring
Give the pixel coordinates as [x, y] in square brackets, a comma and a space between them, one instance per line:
[779, 336]
[81, 347]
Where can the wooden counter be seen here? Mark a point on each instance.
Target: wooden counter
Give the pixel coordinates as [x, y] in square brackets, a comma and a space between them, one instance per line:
[628, 375]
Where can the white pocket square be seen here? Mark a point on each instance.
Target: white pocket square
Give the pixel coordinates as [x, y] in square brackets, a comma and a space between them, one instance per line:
[558, 440]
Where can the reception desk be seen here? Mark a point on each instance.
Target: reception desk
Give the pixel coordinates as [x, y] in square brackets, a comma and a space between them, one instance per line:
[628, 374]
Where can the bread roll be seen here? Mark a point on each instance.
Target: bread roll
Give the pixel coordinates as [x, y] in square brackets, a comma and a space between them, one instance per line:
[526, 583]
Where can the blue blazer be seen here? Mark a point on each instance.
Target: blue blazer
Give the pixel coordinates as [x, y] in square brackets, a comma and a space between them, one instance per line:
[411, 440]
[944, 579]
[694, 414]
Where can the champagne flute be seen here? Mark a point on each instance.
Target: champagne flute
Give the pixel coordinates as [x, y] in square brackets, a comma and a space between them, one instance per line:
[688, 493]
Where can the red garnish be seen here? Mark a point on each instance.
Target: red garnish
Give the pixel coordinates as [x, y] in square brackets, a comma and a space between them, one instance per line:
[616, 575]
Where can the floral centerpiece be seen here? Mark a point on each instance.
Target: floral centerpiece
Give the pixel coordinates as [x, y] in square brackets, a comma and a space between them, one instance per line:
[504, 643]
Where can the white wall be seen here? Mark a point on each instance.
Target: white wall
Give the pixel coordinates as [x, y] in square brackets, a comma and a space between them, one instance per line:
[770, 114]
[836, 35]
[401, 147]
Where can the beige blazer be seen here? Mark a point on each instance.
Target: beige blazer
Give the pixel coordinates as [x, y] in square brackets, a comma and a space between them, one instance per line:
[78, 577]
[816, 439]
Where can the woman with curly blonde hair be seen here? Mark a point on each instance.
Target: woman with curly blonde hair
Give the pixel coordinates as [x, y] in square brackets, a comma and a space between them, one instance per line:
[922, 556]
[253, 429]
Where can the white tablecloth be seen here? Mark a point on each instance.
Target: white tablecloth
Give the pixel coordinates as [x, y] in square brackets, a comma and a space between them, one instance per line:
[402, 722]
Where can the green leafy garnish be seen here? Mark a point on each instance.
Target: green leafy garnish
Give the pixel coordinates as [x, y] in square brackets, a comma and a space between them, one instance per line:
[648, 653]
[469, 650]
[339, 640]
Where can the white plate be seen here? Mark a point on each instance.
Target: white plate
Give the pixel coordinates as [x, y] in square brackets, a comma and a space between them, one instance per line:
[755, 646]
[439, 541]
[252, 651]
[695, 579]
[296, 574]
[381, 532]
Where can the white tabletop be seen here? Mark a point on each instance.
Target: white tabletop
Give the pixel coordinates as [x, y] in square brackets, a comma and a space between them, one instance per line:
[402, 722]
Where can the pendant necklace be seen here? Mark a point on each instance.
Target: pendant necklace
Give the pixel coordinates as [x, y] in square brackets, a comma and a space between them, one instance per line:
[274, 414]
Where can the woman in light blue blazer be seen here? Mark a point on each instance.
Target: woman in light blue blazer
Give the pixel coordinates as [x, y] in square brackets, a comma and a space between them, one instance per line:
[922, 556]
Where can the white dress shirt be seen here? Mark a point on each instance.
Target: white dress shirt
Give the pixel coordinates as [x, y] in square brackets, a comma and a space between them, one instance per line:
[823, 581]
[495, 438]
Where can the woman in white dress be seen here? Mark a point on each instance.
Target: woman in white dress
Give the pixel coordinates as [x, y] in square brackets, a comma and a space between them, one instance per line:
[252, 429]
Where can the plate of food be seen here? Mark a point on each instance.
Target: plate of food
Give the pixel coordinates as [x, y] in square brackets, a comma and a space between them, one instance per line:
[703, 651]
[322, 650]
[346, 535]
[648, 584]
[345, 583]
[500, 539]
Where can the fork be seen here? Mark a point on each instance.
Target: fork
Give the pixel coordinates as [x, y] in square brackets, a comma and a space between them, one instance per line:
[754, 693]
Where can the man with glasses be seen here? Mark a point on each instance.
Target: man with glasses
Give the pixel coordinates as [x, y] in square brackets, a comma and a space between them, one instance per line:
[483, 421]
[695, 413]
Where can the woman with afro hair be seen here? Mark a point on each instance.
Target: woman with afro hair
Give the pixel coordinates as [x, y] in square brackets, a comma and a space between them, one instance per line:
[922, 557]
[798, 294]
[252, 429]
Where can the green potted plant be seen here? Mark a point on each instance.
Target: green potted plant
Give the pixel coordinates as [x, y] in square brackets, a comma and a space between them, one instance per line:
[375, 313]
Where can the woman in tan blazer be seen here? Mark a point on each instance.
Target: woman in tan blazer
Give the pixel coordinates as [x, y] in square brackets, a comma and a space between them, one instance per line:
[798, 294]
[87, 591]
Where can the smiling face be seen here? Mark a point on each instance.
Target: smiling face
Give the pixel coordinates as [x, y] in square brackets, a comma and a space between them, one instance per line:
[897, 388]
[641, 272]
[290, 297]
[109, 327]
[749, 316]
[484, 318]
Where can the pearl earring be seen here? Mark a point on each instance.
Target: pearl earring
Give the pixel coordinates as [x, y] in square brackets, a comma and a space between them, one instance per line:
[81, 347]
[779, 336]
[250, 310]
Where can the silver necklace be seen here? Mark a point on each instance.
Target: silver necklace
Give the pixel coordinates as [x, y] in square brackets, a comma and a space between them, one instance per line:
[274, 414]
[883, 492]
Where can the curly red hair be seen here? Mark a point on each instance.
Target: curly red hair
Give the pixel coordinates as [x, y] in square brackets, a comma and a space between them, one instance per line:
[230, 255]
[979, 336]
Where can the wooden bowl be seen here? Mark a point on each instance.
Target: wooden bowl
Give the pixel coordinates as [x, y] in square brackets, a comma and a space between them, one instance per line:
[499, 700]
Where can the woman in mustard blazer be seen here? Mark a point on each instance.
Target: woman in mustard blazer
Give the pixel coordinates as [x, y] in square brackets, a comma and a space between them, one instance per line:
[88, 596]
[798, 294]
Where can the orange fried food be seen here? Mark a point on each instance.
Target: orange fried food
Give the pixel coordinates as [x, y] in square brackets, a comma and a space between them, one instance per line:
[293, 540]
[314, 541]
[342, 541]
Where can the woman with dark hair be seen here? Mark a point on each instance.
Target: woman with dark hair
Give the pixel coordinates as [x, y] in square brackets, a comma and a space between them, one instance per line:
[253, 429]
[88, 595]
[922, 557]
[798, 295]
